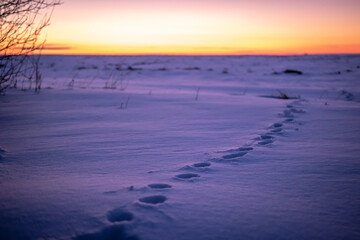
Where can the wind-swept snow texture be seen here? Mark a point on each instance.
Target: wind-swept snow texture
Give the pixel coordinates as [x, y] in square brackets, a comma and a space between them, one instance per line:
[181, 148]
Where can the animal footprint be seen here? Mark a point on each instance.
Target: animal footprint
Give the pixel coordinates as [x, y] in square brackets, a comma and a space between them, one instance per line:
[245, 149]
[155, 199]
[119, 215]
[276, 128]
[287, 114]
[265, 142]
[265, 139]
[239, 152]
[277, 125]
[295, 110]
[234, 155]
[201, 165]
[187, 176]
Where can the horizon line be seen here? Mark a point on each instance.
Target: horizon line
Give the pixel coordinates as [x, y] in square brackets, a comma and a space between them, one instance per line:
[175, 54]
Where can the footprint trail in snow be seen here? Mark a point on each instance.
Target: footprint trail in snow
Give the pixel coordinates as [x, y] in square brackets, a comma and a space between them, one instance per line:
[121, 215]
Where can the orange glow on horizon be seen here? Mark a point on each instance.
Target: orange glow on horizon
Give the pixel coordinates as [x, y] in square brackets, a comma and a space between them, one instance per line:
[197, 50]
[212, 27]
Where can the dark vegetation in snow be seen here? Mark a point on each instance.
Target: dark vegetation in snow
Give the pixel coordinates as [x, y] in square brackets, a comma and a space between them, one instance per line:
[281, 95]
[2, 153]
[192, 68]
[289, 71]
[159, 186]
[292, 71]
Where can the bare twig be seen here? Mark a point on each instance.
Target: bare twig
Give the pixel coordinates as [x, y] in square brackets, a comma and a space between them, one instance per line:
[197, 94]
[21, 23]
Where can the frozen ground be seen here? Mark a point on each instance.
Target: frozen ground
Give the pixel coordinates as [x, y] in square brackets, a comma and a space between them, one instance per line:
[163, 147]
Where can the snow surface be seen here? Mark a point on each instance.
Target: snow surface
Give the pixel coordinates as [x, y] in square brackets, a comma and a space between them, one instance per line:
[183, 147]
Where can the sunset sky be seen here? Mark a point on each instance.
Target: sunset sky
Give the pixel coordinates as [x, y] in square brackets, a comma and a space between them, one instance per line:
[204, 27]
